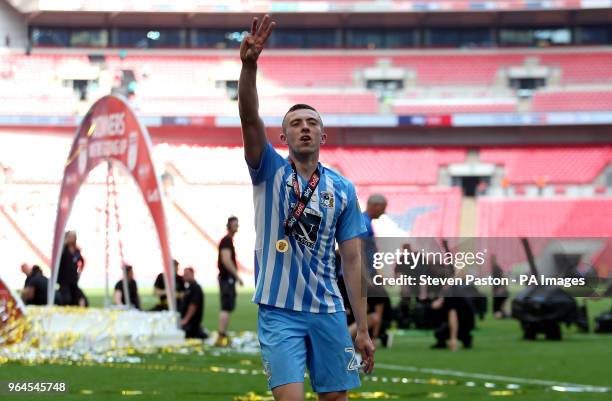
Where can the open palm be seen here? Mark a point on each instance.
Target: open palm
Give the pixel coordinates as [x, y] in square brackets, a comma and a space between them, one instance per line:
[254, 42]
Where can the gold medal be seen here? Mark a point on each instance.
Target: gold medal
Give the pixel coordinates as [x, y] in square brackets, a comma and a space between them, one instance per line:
[282, 245]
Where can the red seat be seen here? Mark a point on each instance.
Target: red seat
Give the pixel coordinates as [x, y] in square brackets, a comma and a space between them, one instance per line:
[415, 166]
[560, 165]
[572, 101]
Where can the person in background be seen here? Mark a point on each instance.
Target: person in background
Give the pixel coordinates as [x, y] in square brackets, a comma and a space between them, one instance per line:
[228, 276]
[407, 292]
[192, 306]
[119, 297]
[379, 304]
[159, 289]
[70, 268]
[35, 287]
[500, 292]
[376, 206]
[457, 324]
[26, 269]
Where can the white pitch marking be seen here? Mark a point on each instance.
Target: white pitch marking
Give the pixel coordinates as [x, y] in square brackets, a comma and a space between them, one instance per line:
[484, 376]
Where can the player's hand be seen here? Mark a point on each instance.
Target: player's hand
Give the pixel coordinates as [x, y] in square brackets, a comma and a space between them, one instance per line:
[365, 346]
[253, 43]
[453, 344]
[240, 281]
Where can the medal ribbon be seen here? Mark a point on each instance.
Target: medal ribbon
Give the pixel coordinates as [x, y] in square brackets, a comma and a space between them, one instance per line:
[303, 200]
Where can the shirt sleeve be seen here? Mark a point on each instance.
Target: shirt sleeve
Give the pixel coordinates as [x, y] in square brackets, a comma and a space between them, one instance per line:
[369, 233]
[269, 163]
[350, 222]
[119, 286]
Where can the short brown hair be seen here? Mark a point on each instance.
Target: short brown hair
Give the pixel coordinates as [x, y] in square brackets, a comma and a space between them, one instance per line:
[301, 106]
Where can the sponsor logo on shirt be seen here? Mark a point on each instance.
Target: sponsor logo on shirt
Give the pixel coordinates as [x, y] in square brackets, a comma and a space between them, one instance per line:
[306, 231]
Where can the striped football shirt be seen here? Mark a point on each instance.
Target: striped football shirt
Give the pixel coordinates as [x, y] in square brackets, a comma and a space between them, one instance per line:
[303, 277]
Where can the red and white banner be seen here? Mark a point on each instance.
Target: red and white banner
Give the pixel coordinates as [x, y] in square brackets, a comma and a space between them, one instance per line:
[12, 324]
[110, 131]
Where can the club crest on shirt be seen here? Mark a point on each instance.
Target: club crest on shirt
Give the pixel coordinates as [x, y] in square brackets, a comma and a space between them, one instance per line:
[327, 199]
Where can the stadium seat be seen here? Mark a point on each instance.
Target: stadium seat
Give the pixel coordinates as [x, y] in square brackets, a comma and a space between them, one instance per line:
[414, 166]
[572, 101]
[545, 217]
[180, 84]
[560, 165]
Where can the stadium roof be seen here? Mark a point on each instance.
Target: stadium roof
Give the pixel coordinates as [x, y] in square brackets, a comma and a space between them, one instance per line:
[276, 6]
[300, 14]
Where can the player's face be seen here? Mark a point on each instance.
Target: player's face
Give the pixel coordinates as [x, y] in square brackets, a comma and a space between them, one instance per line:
[233, 226]
[378, 209]
[303, 133]
[71, 238]
[188, 275]
[26, 269]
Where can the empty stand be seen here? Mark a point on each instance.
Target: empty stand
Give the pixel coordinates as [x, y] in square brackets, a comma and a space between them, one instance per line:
[524, 165]
[34, 158]
[415, 166]
[583, 67]
[546, 223]
[201, 164]
[418, 212]
[457, 69]
[329, 103]
[314, 70]
[15, 251]
[573, 101]
[545, 217]
[332, 80]
[509, 107]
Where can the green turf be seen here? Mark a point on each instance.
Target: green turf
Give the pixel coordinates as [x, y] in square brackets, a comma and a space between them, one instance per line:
[579, 358]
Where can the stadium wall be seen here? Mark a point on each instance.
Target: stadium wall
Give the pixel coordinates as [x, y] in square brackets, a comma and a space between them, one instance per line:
[372, 136]
[13, 27]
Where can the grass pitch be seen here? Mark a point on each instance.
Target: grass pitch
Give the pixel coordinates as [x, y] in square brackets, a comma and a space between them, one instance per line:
[501, 365]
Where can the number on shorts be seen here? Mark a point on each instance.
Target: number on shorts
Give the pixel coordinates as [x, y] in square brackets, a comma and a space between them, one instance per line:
[352, 365]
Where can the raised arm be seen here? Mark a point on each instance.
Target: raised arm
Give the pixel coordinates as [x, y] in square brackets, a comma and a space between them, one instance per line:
[253, 132]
